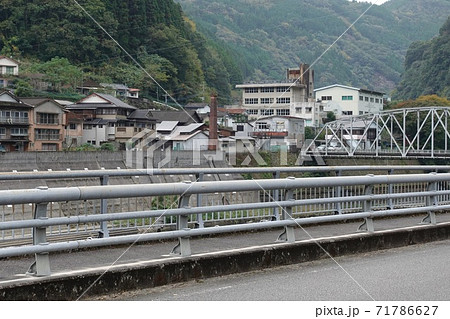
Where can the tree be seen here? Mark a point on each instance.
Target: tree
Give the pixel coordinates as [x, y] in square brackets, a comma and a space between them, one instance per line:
[60, 73]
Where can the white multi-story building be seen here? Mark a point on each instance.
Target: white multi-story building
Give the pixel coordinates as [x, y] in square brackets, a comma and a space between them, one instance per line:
[293, 97]
[347, 101]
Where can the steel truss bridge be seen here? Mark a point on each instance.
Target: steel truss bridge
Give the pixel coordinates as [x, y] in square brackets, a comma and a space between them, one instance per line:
[410, 132]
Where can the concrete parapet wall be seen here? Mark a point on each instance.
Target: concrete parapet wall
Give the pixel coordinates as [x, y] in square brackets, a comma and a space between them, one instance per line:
[153, 274]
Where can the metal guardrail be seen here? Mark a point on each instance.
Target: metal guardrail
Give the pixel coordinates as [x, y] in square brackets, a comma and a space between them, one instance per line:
[434, 195]
[11, 212]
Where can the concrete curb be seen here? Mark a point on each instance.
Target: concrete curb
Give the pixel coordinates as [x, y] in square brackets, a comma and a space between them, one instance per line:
[102, 281]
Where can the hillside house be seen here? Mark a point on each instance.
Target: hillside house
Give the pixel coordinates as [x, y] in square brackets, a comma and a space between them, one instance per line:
[9, 68]
[16, 118]
[108, 119]
[48, 125]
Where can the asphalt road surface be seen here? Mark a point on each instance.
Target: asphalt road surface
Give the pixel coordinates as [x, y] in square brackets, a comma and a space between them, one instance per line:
[418, 272]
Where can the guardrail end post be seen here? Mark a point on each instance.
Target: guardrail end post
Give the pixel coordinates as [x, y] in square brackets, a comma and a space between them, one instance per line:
[367, 225]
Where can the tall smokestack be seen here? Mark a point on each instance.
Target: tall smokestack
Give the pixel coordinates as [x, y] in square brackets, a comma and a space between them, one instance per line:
[212, 146]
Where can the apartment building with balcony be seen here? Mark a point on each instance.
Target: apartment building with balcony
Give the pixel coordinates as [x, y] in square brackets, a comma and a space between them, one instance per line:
[48, 125]
[292, 97]
[16, 117]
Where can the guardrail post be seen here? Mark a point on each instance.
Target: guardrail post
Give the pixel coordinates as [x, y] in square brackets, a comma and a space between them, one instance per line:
[338, 193]
[41, 265]
[288, 234]
[391, 191]
[431, 200]
[183, 248]
[367, 225]
[276, 198]
[200, 222]
[104, 232]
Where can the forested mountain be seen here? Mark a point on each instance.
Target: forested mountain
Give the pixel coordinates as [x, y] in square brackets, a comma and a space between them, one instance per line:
[427, 67]
[270, 36]
[155, 32]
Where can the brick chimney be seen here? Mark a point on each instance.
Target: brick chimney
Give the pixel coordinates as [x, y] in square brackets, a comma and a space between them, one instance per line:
[212, 146]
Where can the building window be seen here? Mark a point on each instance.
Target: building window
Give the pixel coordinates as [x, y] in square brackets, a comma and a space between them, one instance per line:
[361, 98]
[47, 118]
[107, 111]
[347, 98]
[252, 112]
[251, 101]
[347, 112]
[9, 70]
[326, 98]
[267, 90]
[377, 100]
[283, 100]
[283, 112]
[72, 126]
[87, 126]
[298, 110]
[251, 90]
[240, 128]
[13, 117]
[266, 100]
[267, 112]
[262, 126]
[280, 126]
[49, 147]
[19, 131]
[283, 89]
[308, 110]
[366, 99]
[371, 99]
[46, 134]
[2, 132]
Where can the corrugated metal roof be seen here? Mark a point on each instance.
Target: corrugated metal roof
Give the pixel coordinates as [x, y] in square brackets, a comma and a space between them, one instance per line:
[166, 126]
[189, 128]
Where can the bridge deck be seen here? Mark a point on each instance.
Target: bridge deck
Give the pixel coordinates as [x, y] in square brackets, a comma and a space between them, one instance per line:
[66, 264]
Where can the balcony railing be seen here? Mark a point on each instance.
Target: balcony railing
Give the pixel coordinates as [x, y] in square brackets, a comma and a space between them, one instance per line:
[269, 134]
[48, 122]
[13, 120]
[48, 137]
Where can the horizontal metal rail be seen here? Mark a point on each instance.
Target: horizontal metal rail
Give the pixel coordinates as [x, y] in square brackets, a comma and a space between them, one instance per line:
[16, 175]
[203, 210]
[41, 195]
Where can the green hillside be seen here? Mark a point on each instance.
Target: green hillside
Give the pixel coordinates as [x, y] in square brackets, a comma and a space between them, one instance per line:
[155, 32]
[270, 36]
[427, 67]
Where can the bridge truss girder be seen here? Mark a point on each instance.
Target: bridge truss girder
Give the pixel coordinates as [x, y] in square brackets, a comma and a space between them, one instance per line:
[421, 131]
